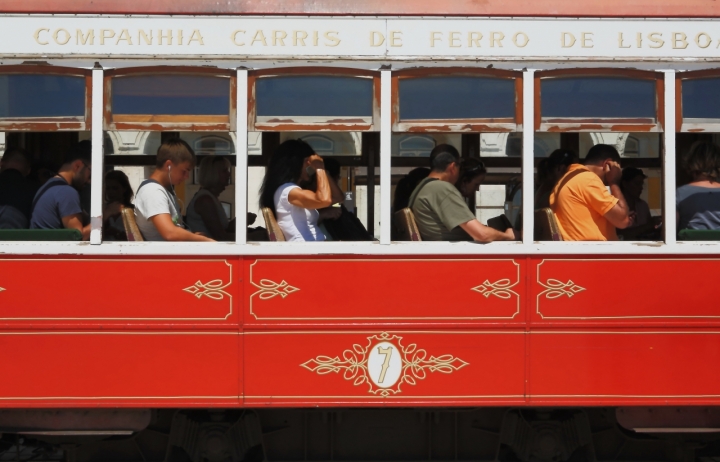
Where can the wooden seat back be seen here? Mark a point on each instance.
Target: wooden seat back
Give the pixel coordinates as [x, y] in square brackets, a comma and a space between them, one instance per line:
[275, 234]
[131, 228]
[406, 225]
[546, 227]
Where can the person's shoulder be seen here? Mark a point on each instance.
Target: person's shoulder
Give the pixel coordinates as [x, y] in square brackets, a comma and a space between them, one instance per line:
[439, 187]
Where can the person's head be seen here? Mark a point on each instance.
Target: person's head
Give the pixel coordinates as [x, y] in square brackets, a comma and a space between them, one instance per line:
[78, 162]
[214, 173]
[117, 188]
[702, 162]
[286, 166]
[558, 162]
[472, 174]
[176, 158]
[632, 182]
[601, 154]
[15, 159]
[444, 158]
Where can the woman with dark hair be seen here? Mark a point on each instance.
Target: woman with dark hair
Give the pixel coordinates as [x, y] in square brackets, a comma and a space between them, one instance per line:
[293, 167]
[118, 194]
[698, 202]
[550, 170]
[472, 174]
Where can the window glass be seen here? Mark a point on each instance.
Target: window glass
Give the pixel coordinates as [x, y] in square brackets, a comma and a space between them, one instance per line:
[30, 95]
[701, 98]
[171, 95]
[597, 97]
[456, 98]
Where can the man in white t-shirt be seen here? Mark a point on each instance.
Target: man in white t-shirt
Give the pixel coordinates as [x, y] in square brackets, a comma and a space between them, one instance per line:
[157, 212]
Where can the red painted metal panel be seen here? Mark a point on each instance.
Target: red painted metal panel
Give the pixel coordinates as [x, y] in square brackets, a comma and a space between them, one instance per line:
[299, 368]
[598, 8]
[140, 369]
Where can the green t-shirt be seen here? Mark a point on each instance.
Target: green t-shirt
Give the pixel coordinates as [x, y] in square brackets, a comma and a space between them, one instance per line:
[439, 211]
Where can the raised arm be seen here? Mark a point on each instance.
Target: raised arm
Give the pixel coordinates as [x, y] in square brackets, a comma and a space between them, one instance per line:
[322, 196]
[619, 216]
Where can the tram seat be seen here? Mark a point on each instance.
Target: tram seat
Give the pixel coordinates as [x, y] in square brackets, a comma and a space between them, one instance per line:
[275, 234]
[546, 226]
[40, 235]
[699, 235]
[131, 228]
[405, 223]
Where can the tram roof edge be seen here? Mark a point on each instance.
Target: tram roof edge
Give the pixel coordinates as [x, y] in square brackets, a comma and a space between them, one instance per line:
[535, 8]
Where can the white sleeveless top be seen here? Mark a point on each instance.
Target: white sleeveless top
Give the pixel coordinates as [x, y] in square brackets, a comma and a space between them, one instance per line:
[296, 223]
[193, 219]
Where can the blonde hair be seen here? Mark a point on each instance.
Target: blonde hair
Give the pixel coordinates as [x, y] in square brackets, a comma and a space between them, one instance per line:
[208, 176]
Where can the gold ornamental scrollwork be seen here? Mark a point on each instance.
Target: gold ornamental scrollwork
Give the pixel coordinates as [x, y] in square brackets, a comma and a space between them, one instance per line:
[269, 289]
[500, 289]
[1, 289]
[413, 364]
[556, 289]
[213, 289]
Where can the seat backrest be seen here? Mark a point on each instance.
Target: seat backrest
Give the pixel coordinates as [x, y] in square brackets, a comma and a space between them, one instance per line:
[40, 235]
[546, 227]
[131, 228]
[406, 225]
[699, 235]
[273, 229]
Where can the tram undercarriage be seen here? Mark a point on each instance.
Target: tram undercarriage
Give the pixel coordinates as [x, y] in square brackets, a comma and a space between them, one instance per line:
[341, 434]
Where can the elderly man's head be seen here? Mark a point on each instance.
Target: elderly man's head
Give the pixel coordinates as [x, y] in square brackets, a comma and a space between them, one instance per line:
[446, 159]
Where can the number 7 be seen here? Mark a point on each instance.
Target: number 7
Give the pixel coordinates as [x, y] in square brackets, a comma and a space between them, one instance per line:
[387, 352]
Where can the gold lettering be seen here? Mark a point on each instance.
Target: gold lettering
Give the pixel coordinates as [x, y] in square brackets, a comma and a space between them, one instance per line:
[196, 37]
[299, 36]
[259, 37]
[433, 38]
[37, 36]
[376, 39]
[279, 36]
[234, 37]
[621, 41]
[106, 34]
[455, 40]
[148, 39]
[638, 37]
[315, 38]
[124, 35]
[708, 40]
[395, 38]
[586, 40]
[333, 37]
[567, 40]
[58, 40]
[474, 39]
[526, 39]
[81, 39]
[679, 41]
[168, 36]
[656, 38]
[387, 352]
[180, 36]
[496, 37]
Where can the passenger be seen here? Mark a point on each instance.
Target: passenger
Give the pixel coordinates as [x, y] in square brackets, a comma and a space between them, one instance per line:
[57, 203]
[205, 213]
[118, 194]
[157, 211]
[698, 202]
[293, 167]
[472, 174]
[644, 225]
[584, 208]
[407, 185]
[345, 226]
[550, 170]
[16, 192]
[440, 211]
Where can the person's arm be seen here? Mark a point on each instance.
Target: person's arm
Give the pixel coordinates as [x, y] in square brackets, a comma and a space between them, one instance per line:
[481, 233]
[170, 232]
[321, 197]
[619, 215]
[205, 207]
[75, 222]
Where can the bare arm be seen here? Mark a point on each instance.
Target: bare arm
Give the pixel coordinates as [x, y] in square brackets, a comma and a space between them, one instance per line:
[619, 215]
[318, 199]
[75, 222]
[170, 232]
[205, 207]
[481, 233]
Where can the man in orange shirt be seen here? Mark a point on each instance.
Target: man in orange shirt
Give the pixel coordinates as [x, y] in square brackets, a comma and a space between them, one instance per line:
[584, 208]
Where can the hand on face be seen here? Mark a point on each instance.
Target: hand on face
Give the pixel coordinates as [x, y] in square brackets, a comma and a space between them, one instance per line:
[315, 162]
[613, 172]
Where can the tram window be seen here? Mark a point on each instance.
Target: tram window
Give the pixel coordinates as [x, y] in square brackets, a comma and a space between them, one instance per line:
[39, 95]
[701, 98]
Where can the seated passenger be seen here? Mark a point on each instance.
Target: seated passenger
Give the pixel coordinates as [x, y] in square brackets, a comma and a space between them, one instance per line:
[157, 212]
[440, 211]
[550, 170]
[16, 192]
[645, 226]
[293, 167]
[118, 194]
[472, 174]
[205, 213]
[698, 202]
[57, 203]
[407, 185]
[338, 222]
[584, 208]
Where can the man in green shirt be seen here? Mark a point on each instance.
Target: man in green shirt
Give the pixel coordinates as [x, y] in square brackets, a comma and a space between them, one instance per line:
[440, 211]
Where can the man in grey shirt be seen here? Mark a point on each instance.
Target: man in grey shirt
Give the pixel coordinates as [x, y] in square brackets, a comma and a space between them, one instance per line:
[440, 211]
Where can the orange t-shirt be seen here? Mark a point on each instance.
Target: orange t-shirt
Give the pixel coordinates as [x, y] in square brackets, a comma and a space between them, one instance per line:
[580, 200]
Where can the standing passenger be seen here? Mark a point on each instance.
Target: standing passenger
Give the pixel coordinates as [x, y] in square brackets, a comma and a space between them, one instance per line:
[698, 202]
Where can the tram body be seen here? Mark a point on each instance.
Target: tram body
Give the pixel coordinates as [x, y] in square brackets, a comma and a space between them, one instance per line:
[362, 351]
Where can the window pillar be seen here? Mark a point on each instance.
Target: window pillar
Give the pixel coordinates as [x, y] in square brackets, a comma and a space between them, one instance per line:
[241, 157]
[96, 179]
[528, 156]
[669, 209]
[385, 156]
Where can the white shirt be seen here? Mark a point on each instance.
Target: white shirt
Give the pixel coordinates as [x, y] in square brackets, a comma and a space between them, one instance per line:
[296, 223]
[153, 199]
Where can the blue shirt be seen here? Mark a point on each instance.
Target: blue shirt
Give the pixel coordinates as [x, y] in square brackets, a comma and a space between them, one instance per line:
[57, 199]
[698, 207]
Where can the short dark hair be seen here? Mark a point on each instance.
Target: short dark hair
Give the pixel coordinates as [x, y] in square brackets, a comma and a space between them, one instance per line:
[80, 151]
[442, 156]
[121, 177]
[16, 155]
[176, 151]
[470, 167]
[703, 159]
[600, 153]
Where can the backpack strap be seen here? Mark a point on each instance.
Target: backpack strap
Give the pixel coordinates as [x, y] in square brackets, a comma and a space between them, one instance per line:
[415, 193]
[45, 188]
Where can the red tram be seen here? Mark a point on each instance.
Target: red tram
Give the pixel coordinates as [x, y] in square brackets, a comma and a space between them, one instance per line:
[384, 350]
